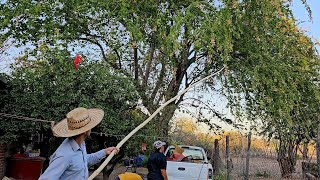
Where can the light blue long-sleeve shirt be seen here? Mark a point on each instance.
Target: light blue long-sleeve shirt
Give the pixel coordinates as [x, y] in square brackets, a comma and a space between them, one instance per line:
[71, 162]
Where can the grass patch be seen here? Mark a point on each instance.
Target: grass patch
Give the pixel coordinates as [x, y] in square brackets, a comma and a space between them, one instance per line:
[264, 174]
[220, 176]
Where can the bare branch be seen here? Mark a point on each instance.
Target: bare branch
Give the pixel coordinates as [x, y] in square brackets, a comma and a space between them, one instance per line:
[146, 77]
[119, 58]
[96, 43]
[207, 106]
[135, 59]
[159, 82]
[102, 51]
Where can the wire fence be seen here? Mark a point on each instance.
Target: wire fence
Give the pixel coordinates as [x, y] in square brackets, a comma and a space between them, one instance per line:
[232, 155]
[263, 159]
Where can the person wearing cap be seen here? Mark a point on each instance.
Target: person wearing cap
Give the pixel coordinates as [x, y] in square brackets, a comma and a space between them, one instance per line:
[71, 161]
[157, 163]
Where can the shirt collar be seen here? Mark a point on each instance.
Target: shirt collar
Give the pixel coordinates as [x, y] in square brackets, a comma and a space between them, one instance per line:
[74, 145]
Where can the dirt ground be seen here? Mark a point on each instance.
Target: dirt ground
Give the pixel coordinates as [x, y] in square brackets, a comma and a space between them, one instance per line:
[121, 169]
[260, 168]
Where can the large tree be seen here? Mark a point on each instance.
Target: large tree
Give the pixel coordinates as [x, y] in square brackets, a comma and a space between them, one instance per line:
[50, 86]
[165, 46]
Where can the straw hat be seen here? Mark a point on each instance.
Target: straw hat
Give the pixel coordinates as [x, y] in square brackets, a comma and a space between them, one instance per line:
[78, 121]
[178, 150]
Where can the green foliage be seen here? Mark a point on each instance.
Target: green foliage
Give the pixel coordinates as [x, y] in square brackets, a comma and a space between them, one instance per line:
[220, 176]
[271, 65]
[273, 72]
[49, 87]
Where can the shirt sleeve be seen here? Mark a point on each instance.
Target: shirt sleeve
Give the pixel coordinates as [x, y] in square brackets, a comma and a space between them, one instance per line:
[57, 166]
[96, 157]
[163, 162]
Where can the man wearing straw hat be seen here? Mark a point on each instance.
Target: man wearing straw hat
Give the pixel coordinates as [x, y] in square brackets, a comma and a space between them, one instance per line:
[71, 161]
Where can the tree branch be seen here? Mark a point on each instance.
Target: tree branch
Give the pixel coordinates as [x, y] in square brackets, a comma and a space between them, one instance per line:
[217, 114]
[146, 77]
[159, 82]
[119, 58]
[135, 60]
[102, 50]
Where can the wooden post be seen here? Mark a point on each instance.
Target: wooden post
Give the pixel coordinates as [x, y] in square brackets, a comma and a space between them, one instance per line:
[318, 151]
[228, 157]
[305, 151]
[216, 157]
[246, 175]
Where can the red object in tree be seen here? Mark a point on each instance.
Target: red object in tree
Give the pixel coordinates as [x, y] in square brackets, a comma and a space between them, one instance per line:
[77, 60]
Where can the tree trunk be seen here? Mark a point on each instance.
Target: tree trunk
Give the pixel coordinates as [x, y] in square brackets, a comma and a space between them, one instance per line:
[287, 157]
[164, 119]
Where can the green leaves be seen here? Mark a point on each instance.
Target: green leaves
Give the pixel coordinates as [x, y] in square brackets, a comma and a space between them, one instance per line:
[49, 88]
[272, 66]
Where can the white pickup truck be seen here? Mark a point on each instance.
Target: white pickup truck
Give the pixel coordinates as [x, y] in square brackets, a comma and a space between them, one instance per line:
[194, 166]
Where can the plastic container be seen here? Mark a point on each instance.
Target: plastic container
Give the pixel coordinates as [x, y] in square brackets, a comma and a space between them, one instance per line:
[26, 168]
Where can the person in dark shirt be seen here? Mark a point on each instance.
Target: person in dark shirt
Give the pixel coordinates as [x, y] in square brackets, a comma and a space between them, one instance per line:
[157, 163]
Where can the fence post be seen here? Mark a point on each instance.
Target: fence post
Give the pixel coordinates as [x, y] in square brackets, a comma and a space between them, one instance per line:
[246, 175]
[228, 157]
[216, 157]
[318, 151]
[305, 151]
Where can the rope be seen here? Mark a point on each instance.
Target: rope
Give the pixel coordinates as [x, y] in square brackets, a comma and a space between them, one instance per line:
[52, 122]
[119, 135]
[26, 118]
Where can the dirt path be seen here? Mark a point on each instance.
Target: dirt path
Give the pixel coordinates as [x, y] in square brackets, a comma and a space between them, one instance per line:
[122, 169]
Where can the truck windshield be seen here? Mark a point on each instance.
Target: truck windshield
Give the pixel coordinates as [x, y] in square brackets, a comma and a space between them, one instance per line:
[195, 154]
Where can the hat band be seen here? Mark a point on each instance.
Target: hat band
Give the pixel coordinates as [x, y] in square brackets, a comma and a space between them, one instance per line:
[79, 124]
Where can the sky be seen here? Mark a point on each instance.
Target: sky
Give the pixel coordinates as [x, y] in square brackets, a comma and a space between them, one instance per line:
[301, 14]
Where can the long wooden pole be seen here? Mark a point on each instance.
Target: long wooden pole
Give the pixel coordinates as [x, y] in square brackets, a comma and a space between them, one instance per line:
[106, 161]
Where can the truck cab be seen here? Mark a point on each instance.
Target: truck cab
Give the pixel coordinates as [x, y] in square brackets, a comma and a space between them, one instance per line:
[194, 164]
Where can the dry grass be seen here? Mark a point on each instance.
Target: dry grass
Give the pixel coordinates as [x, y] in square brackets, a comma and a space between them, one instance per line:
[262, 168]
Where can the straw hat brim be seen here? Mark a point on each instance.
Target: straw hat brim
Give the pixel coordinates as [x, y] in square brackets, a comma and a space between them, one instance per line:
[61, 128]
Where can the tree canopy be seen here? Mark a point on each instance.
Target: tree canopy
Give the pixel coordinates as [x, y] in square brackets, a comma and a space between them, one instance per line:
[48, 87]
[165, 46]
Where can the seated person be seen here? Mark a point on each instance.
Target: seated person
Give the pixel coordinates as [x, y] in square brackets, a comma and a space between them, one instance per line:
[128, 176]
[177, 153]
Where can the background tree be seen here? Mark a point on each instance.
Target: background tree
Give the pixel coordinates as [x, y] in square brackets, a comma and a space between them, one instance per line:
[166, 46]
[50, 86]
[163, 46]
